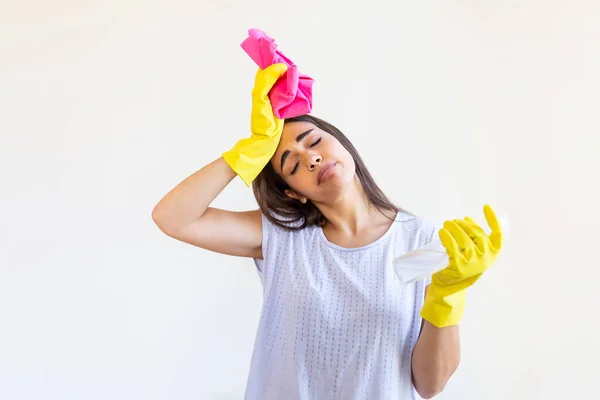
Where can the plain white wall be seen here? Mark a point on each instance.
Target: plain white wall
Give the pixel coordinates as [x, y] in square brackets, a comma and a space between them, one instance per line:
[106, 105]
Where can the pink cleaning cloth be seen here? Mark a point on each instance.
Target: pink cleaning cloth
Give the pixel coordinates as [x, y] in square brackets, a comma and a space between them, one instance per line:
[291, 95]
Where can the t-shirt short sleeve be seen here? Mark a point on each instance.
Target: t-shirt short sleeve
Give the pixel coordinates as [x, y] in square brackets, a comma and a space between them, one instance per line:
[274, 240]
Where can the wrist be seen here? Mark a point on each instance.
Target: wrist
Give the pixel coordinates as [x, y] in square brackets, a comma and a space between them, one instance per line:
[443, 307]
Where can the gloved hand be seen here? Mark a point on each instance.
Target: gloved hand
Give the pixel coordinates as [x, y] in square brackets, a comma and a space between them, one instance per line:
[470, 251]
[250, 155]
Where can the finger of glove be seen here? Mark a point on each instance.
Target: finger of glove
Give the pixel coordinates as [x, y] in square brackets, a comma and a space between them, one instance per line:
[266, 78]
[496, 234]
[452, 247]
[471, 220]
[474, 222]
[461, 237]
[476, 234]
[263, 122]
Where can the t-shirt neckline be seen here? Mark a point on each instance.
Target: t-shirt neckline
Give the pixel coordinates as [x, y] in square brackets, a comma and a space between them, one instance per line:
[387, 233]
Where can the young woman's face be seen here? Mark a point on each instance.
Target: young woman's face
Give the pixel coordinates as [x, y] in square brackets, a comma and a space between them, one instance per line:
[312, 162]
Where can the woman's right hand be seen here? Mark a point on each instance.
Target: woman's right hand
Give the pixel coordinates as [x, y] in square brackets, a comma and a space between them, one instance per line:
[250, 155]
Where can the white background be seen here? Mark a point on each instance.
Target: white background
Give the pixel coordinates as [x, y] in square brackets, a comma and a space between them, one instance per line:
[106, 105]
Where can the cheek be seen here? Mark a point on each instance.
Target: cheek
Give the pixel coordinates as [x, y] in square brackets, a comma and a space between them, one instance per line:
[345, 157]
[351, 162]
[349, 167]
[302, 183]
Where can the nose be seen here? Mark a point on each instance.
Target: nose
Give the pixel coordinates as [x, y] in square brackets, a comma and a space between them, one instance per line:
[314, 161]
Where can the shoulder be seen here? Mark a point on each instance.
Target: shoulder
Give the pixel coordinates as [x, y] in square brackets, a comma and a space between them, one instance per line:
[280, 229]
[279, 235]
[418, 229]
[280, 222]
[417, 221]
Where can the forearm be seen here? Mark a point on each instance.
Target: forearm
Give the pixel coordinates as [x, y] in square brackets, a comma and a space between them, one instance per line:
[435, 358]
[190, 198]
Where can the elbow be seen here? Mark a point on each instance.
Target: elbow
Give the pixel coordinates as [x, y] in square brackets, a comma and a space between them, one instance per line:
[432, 388]
[430, 391]
[157, 216]
[432, 382]
[161, 219]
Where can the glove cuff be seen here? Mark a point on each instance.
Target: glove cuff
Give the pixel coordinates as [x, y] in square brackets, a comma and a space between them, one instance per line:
[249, 156]
[443, 309]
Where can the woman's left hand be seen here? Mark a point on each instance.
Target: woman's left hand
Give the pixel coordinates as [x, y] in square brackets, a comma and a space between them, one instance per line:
[470, 252]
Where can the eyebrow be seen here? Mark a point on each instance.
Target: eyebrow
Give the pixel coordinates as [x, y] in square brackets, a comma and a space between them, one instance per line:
[286, 153]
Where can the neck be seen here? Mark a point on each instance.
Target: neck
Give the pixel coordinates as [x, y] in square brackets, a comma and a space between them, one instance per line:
[351, 212]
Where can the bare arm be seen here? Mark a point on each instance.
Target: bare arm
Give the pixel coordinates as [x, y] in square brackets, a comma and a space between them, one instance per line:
[184, 213]
[435, 358]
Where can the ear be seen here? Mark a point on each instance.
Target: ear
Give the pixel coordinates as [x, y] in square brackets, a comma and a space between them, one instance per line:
[291, 194]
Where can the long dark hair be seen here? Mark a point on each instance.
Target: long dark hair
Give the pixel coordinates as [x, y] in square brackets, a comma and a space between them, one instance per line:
[269, 188]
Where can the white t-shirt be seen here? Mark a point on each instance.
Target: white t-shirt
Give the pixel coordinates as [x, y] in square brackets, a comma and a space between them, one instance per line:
[336, 323]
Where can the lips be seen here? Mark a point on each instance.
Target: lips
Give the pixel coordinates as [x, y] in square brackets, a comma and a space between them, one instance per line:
[325, 172]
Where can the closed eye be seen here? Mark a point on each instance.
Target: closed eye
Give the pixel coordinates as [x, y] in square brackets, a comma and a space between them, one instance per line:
[316, 142]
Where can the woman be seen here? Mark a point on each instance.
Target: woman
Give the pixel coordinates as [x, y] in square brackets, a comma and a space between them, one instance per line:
[335, 323]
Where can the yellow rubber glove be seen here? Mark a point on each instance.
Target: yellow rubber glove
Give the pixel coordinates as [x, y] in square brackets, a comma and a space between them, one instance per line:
[250, 155]
[470, 252]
